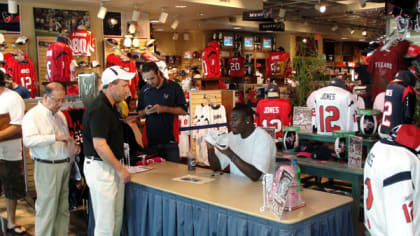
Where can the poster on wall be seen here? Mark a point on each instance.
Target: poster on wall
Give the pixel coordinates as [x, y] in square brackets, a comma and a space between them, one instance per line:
[112, 24]
[50, 22]
[9, 22]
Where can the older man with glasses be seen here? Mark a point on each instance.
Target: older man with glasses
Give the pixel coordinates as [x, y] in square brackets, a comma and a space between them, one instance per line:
[45, 132]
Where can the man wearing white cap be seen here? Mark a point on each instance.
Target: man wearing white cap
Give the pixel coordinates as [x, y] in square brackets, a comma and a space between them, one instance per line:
[103, 147]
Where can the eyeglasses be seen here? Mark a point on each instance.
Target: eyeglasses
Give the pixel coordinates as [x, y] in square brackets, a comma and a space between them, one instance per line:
[57, 100]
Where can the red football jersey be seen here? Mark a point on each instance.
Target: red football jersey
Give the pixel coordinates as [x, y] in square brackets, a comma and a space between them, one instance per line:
[128, 65]
[384, 65]
[211, 61]
[278, 64]
[59, 56]
[274, 112]
[236, 66]
[82, 42]
[23, 73]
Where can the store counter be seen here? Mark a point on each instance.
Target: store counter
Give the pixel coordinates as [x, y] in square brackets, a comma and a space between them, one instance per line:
[229, 205]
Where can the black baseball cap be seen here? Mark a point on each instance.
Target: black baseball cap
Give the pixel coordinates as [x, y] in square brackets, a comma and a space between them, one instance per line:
[338, 83]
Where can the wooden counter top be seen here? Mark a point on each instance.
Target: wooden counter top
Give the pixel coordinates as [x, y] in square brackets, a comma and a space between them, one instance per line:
[233, 192]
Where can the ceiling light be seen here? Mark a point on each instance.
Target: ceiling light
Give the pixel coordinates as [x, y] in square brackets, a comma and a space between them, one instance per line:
[135, 15]
[163, 16]
[362, 3]
[180, 6]
[351, 31]
[102, 12]
[175, 24]
[320, 8]
[304, 40]
[159, 29]
[201, 14]
[175, 36]
[12, 7]
[334, 28]
[236, 28]
[154, 21]
[344, 38]
[364, 33]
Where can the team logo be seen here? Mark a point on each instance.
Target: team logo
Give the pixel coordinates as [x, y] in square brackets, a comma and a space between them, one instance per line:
[165, 96]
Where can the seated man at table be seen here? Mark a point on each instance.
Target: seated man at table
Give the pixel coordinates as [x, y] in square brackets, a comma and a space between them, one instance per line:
[250, 151]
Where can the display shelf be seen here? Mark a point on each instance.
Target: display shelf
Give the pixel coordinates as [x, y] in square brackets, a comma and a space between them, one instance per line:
[367, 141]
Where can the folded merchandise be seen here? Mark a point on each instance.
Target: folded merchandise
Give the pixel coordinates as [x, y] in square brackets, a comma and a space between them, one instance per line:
[95, 64]
[218, 139]
[21, 40]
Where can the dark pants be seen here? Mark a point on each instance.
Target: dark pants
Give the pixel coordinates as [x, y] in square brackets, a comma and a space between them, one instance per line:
[168, 151]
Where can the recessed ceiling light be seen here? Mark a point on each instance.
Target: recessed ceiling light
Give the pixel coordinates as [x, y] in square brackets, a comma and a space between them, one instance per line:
[180, 6]
[362, 40]
[364, 33]
[154, 21]
[236, 28]
[159, 29]
[344, 38]
[201, 14]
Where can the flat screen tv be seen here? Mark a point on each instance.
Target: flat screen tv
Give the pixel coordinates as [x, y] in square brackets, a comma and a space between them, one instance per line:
[267, 43]
[248, 42]
[228, 41]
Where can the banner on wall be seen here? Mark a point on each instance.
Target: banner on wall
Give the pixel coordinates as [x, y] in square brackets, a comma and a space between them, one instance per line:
[9, 22]
[50, 22]
[112, 24]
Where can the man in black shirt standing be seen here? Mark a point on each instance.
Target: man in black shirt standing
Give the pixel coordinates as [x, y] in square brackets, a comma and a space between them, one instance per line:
[104, 148]
[159, 100]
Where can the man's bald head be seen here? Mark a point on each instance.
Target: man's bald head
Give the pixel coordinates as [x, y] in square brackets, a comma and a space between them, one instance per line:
[51, 87]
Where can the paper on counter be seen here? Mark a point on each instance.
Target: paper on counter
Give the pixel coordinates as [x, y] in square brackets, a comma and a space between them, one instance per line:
[193, 179]
[138, 169]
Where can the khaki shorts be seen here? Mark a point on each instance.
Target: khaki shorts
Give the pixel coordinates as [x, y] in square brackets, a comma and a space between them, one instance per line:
[12, 179]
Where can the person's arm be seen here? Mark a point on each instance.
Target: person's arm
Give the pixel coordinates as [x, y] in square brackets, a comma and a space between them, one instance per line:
[213, 160]
[166, 109]
[132, 122]
[104, 151]
[13, 131]
[246, 168]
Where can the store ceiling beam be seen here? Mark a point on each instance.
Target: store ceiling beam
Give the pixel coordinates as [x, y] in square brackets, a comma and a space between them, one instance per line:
[242, 4]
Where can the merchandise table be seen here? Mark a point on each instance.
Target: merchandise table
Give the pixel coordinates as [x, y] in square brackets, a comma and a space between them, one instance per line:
[229, 205]
[339, 171]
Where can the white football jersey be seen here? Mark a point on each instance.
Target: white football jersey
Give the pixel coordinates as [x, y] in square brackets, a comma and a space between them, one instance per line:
[335, 110]
[391, 195]
[218, 116]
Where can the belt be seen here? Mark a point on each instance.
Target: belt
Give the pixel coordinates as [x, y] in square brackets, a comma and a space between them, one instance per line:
[53, 161]
[94, 158]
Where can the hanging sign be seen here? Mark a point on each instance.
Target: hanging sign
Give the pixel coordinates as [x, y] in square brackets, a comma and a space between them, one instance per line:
[260, 15]
[279, 26]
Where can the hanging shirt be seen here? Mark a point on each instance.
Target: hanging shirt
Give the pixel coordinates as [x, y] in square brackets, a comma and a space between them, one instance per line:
[128, 65]
[82, 42]
[236, 66]
[23, 73]
[335, 110]
[59, 57]
[278, 64]
[274, 112]
[211, 60]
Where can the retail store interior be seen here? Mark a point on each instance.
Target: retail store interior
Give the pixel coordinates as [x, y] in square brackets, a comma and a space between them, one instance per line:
[222, 53]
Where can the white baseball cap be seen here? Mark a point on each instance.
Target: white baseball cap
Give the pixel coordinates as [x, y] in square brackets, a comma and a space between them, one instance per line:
[115, 72]
[1, 57]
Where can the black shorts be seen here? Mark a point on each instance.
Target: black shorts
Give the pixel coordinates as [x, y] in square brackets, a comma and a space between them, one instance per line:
[12, 179]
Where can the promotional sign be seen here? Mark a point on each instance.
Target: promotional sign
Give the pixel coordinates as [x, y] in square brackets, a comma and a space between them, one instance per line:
[260, 15]
[9, 22]
[279, 26]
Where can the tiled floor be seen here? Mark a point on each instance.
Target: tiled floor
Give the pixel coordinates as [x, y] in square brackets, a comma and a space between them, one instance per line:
[25, 216]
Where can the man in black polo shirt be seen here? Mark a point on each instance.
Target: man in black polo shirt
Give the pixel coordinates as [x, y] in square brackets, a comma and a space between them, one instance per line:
[159, 100]
[103, 147]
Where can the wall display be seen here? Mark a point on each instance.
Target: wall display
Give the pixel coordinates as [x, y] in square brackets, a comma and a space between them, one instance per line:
[52, 21]
[227, 41]
[112, 24]
[248, 42]
[9, 22]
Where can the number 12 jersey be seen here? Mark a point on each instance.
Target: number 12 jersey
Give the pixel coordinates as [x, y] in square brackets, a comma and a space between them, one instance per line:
[335, 110]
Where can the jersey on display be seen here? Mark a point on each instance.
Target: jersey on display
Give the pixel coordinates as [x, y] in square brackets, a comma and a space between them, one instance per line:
[82, 42]
[399, 106]
[236, 66]
[335, 110]
[128, 65]
[391, 180]
[274, 113]
[23, 73]
[211, 60]
[383, 65]
[278, 64]
[59, 57]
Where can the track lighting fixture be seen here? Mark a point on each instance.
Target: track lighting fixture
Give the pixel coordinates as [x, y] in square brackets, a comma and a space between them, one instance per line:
[174, 24]
[102, 11]
[135, 15]
[12, 6]
[163, 16]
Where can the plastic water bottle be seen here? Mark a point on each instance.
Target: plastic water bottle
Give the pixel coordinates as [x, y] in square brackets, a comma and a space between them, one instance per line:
[297, 171]
[191, 161]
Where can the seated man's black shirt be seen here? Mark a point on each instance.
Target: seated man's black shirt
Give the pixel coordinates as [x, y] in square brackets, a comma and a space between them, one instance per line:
[101, 120]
